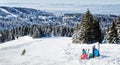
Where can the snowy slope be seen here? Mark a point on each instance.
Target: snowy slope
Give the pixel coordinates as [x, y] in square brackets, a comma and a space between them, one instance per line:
[54, 51]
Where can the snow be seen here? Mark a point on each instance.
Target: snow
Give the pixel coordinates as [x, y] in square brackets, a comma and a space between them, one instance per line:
[7, 12]
[54, 51]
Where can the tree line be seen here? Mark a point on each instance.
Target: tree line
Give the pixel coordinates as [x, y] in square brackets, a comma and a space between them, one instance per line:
[35, 31]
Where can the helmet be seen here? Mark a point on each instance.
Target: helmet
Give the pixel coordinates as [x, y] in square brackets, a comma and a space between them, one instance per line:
[83, 49]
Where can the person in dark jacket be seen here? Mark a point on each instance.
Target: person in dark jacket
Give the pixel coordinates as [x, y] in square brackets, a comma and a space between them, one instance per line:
[23, 52]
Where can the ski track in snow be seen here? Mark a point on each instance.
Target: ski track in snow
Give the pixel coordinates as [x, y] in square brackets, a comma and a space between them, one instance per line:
[54, 51]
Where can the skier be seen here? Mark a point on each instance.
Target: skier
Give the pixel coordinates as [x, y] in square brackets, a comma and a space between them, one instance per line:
[24, 51]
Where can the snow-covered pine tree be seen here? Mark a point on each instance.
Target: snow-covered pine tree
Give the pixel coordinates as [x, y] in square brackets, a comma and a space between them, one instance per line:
[48, 30]
[3, 35]
[89, 30]
[118, 29]
[1, 38]
[31, 31]
[112, 35]
[36, 33]
[97, 32]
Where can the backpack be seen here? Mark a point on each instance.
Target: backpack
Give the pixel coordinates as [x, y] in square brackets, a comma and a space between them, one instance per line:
[96, 53]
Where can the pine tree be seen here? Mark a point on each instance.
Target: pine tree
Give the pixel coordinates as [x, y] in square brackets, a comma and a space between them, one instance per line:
[36, 33]
[97, 32]
[1, 38]
[119, 20]
[89, 30]
[31, 31]
[112, 36]
[118, 29]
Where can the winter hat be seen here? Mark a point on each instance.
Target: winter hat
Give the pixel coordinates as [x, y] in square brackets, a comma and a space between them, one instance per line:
[83, 49]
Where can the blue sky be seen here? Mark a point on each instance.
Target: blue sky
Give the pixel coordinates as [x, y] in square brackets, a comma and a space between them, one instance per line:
[63, 1]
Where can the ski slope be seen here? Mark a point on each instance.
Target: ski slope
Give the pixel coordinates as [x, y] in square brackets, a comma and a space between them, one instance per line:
[54, 51]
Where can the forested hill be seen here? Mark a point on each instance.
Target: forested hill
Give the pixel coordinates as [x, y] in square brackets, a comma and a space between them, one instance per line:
[11, 17]
[16, 21]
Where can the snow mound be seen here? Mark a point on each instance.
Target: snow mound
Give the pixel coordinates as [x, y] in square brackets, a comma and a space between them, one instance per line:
[54, 51]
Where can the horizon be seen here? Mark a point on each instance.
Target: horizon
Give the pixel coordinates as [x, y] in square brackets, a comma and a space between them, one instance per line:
[66, 6]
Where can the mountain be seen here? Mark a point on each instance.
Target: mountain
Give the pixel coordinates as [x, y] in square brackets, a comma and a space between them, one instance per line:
[15, 17]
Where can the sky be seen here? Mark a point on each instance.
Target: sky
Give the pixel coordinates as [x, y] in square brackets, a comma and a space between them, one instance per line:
[63, 1]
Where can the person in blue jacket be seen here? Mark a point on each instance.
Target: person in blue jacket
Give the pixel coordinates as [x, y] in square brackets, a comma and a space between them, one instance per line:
[83, 51]
[95, 52]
